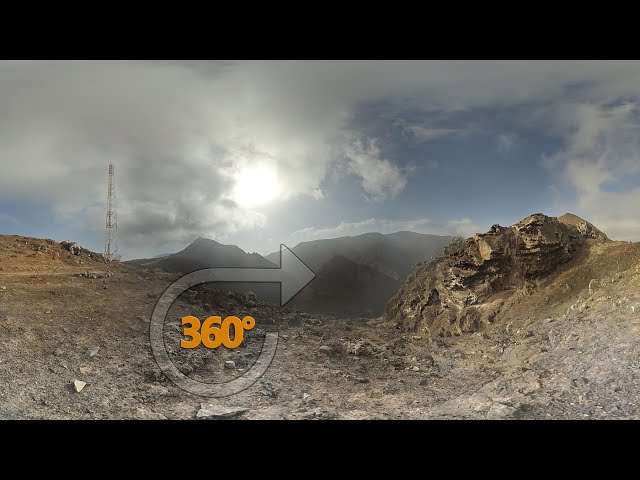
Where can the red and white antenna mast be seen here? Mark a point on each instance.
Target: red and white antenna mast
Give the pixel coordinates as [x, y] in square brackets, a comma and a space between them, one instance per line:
[111, 223]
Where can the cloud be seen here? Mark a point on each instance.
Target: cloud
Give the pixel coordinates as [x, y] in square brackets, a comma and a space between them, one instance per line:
[179, 132]
[425, 134]
[506, 141]
[464, 227]
[600, 160]
[178, 135]
[357, 228]
[6, 218]
[381, 179]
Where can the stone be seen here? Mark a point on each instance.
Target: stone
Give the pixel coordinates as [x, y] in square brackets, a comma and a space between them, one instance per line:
[216, 411]
[229, 364]
[325, 349]
[58, 352]
[268, 391]
[72, 247]
[159, 390]
[269, 413]
[250, 298]
[78, 385]
[499, 410]
[93, 351]
[2, 288]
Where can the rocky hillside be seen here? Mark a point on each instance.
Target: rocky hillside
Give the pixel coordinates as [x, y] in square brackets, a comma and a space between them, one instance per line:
[346, 288]
[467, 287]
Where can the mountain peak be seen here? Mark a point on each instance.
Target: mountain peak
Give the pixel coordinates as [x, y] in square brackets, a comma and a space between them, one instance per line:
[205, 241]
[206, 253]
[586, 228]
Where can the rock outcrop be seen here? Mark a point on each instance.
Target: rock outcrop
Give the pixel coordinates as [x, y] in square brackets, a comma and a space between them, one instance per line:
[73, 247]
[465, 289]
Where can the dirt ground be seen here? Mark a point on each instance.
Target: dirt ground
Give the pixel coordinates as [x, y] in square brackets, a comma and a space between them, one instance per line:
[569, 348]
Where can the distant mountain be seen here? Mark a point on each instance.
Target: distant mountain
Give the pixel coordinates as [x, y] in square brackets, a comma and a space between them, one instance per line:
[357, 275]
[354, 275]
[393, 254]
[206, 253]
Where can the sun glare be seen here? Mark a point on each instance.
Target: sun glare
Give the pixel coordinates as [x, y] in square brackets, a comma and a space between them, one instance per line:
[255, 186]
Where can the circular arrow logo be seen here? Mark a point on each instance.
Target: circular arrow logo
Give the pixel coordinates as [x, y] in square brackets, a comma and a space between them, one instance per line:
[293, 275]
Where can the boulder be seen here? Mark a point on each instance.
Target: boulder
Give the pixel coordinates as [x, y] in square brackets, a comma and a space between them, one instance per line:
[72, 247]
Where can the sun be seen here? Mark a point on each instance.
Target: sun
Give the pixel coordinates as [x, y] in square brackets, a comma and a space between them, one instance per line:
[255, 186]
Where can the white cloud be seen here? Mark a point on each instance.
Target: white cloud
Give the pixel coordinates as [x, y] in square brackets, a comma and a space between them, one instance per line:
[600, 156]
[177, 135]
[464, 227]
[381, 179]
[317, 193]
[344, 229]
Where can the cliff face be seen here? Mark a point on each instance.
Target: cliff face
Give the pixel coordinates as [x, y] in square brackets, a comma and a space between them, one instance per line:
[459, 292]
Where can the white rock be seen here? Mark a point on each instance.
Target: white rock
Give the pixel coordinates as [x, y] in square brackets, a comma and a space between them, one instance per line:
[93, 351]
[212, 410]
[229, 364]
[79, 385]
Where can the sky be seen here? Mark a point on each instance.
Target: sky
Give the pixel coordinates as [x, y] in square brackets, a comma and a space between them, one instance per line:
[258, 153]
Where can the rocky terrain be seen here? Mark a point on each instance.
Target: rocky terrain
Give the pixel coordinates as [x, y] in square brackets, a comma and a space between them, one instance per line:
[467, 288]
[536, 320]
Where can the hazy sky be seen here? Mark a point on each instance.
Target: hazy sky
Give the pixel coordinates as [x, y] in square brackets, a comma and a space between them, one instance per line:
[262, 153]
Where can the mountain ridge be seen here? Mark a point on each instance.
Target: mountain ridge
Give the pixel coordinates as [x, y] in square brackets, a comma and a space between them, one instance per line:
[360, 264]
